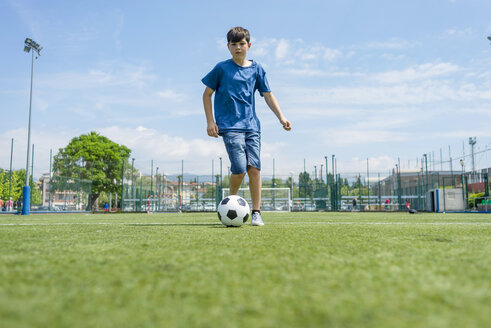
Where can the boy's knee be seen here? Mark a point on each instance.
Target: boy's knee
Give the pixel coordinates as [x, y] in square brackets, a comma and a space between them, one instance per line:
[251, 170]
[239, 175]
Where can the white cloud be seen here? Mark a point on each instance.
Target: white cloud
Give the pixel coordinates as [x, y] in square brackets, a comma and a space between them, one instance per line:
[298, 57]
[313, 72]
[332, 54]
[465, 133]
[421, 85]
[43, 140]
[458, 33]
[394, 44]
[149, 144]
[382, 163]
[348, 136]
[282, 49]
[420, 72]
[259, 47]
[371, 95]
[308, 53]
[146, 144]
[294, 51]
[391, 56]
[168, 151]
[102, 77]
[169, 94]
[221, 44]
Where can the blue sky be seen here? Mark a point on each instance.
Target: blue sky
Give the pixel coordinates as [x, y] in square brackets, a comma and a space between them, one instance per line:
[376, 80]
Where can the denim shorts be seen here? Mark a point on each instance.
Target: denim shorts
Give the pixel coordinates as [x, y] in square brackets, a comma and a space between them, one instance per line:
[243, 150]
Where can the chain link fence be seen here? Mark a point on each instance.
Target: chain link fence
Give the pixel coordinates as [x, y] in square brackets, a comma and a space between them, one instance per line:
[395, 191]
[399, 191]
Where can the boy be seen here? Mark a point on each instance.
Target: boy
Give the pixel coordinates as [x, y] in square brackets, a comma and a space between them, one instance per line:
[235, 81]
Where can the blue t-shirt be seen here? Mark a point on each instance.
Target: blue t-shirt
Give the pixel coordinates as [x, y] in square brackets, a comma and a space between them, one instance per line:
[234, 87]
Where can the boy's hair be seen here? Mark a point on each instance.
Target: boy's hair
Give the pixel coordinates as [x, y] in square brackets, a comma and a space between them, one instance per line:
[238, 33]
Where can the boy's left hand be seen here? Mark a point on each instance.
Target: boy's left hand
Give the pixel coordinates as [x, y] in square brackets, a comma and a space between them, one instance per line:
[286, 124]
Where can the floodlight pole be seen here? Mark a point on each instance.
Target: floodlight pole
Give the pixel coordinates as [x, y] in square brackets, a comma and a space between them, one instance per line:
[472, 142]
[26, 190]
[29, 126]
[9, 201]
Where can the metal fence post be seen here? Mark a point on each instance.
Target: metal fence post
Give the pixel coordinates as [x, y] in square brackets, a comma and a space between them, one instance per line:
[122, 188]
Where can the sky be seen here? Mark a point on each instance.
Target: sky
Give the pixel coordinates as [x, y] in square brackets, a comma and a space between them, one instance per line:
[372, 82]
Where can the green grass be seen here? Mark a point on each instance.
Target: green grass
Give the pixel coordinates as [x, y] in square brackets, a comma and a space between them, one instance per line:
[299, 270]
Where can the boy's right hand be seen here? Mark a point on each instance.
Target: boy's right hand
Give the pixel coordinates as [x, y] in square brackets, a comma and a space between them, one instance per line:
[212, 130]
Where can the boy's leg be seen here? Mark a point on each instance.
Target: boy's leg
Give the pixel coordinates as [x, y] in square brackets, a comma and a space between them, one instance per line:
[236, 150]
[253, 142]
[255, 187]
[235, 182]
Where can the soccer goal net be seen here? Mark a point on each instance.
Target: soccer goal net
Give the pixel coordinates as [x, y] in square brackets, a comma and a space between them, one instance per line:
[272, 199]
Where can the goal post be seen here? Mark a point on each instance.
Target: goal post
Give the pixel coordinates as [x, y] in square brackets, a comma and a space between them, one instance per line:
[272, 199]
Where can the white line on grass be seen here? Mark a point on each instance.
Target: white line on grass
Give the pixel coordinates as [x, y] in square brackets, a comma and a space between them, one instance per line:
[274, 223]
[388, 223]
[95, 223]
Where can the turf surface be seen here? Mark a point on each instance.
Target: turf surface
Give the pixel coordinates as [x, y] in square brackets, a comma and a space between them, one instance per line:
[299, 270]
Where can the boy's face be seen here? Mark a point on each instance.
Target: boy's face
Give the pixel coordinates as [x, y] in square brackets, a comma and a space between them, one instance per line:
[239, 49]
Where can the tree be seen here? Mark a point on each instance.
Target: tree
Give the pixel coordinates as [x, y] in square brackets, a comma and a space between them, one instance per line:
[18, 181]
[92, 157]
[4, 184]
[304, 184]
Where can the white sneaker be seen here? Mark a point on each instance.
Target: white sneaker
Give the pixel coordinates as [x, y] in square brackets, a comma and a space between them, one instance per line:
[256, 219]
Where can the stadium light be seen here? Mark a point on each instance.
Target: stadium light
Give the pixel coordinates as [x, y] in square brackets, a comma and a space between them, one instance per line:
[29, 45]
[472, 142]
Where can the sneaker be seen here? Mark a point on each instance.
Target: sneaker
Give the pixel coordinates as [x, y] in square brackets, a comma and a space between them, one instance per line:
[256, 219]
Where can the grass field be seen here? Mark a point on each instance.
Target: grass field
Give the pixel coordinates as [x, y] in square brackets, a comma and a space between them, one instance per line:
[299, 270]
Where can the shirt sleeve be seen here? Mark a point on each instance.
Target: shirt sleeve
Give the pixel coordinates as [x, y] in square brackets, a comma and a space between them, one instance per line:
[212, 79]
[262, 84]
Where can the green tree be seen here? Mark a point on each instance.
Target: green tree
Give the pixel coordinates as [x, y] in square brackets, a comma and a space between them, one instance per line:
[18, 181]
[96, 158]
[4, 184]
[305, 185]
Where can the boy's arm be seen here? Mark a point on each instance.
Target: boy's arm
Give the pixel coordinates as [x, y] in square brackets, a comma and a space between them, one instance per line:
[275, 107]
[212, 128]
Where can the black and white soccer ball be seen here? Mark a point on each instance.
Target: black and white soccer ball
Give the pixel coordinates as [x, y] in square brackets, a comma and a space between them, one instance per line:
[233, 211]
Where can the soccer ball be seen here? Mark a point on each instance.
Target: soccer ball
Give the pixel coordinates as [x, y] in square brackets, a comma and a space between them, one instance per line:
[233, 211]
